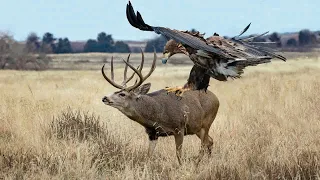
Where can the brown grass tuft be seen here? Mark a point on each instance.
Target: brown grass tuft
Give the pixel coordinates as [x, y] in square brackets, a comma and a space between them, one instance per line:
[78, 126]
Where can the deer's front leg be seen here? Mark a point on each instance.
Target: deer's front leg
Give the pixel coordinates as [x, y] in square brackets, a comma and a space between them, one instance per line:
[152, 146]
[178, 137]
[153, 139]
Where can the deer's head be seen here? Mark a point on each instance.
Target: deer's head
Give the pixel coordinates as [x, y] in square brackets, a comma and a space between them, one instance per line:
[126, 97]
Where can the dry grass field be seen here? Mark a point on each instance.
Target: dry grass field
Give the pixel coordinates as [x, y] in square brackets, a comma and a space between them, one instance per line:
[54, 126]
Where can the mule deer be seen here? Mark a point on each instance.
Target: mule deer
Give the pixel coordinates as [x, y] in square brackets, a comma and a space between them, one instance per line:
[162, 113]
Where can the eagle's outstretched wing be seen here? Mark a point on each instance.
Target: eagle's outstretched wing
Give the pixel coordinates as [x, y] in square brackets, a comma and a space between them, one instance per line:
[253, 51]
[181, 37]
[226, 57]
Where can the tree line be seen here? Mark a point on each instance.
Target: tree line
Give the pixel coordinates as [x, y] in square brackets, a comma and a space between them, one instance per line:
[50, 44]
[105, 43]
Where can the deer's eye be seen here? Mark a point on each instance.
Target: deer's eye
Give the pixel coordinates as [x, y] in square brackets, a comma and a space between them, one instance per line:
[122, 94]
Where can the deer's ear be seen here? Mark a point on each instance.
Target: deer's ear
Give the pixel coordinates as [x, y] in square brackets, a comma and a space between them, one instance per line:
[143, 89]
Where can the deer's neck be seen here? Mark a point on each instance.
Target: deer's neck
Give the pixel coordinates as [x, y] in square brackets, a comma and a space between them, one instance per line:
[145, 110]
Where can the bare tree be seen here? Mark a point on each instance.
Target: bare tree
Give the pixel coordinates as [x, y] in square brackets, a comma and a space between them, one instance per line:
[14, 55]
[33, 43]
[6, 41]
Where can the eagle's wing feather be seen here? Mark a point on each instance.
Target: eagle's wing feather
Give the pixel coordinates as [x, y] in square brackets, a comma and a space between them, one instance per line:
[180, 37]
[188, 40]
[258, 48]
[228, 56]
[227, 48]
[243, 31]
[136, 20]
[241, 49]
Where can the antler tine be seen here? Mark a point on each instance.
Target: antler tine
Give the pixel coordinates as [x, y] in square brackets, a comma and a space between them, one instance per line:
[153, 66]
[142, 60]
[141, 78]
[139, 68]
[132, 75]
[124, 83]
[112, 73]
[109, 80]
[125, 80]
[138, 73]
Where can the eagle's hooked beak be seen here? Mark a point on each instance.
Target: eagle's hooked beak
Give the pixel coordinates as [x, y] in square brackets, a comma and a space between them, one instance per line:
[165, 57]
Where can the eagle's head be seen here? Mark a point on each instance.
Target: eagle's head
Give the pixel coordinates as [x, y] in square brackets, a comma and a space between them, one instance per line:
[171, 48]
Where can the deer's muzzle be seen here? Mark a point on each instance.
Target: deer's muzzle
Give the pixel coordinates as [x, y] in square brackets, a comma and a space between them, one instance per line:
[106, 100]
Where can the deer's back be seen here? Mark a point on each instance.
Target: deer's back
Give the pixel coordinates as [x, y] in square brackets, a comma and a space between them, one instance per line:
[191, 110]
[206, 100]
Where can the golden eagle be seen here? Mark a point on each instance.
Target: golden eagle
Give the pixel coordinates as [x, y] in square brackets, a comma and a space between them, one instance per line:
[215, 57]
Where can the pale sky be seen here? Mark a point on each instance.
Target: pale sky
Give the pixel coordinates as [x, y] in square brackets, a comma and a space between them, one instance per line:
[84, 19]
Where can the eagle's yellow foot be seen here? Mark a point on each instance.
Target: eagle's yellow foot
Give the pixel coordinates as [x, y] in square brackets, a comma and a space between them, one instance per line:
[177, 90]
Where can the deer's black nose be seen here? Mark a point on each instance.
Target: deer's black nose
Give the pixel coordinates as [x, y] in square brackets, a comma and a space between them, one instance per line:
[105, 99]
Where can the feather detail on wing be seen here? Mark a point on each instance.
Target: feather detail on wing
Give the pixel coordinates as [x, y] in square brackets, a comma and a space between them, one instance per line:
[179, 36]
[234, 69]
[225, 48]
[219, 56]
[136, 20]
[221, 69]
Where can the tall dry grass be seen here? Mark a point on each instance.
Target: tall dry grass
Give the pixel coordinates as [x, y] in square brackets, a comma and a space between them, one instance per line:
[54, 126]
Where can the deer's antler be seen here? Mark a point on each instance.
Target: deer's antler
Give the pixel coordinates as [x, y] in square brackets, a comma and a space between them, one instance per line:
[137, 71]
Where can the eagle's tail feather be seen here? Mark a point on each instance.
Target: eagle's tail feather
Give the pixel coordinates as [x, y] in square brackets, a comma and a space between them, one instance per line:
[235, 68]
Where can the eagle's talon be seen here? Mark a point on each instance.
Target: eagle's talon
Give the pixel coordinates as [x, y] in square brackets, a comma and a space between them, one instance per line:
[178, 91]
